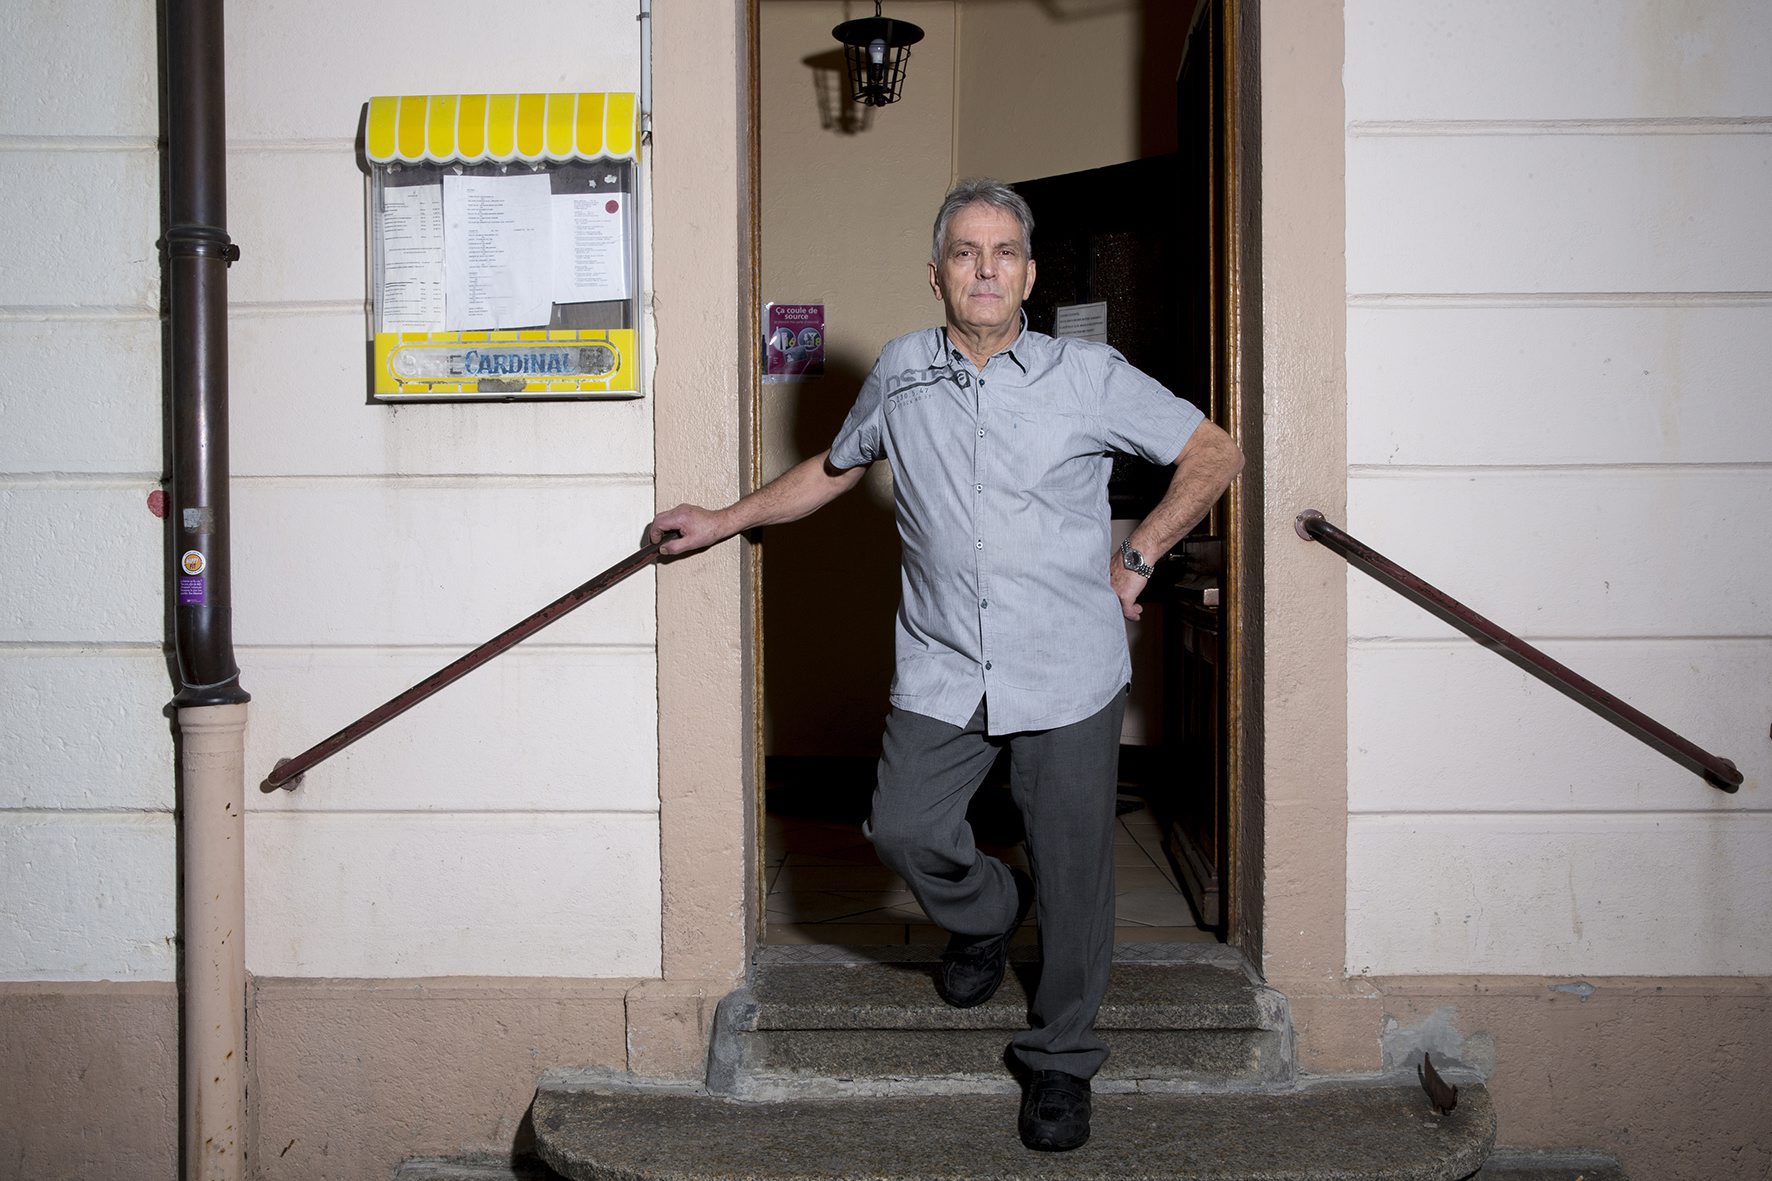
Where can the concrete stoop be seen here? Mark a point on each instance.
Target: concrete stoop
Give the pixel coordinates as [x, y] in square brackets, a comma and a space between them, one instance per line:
[1502, 1165]
[1341, 1133]
[837, 1065]
[1197, 1022]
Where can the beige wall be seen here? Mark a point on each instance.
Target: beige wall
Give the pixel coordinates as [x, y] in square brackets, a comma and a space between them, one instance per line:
[350, 1077]
[89, 1086]
[1043, 92]
[847, 199]
[702, 288]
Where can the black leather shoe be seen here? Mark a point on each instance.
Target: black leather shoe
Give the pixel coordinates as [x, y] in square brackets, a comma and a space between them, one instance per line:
[971, 968]
[1055, 1114]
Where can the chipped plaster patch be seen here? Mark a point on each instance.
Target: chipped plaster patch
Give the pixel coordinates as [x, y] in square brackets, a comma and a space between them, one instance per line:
[1404, 1045]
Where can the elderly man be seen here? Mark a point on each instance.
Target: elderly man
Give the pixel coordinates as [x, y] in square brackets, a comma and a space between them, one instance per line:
[1009, 629]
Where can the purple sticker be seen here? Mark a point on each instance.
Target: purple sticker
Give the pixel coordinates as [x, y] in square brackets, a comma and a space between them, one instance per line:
[795, 340]
[190, 590]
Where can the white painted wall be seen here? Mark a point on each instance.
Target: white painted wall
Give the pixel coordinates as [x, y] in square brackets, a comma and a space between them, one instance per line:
[1559, 341]
[86, 836]
[509, 826]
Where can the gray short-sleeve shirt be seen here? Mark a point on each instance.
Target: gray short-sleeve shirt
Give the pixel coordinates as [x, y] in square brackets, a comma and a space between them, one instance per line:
[1000, 483]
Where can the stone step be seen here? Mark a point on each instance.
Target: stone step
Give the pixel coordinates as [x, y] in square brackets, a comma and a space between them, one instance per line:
[1503, 1165]
[1512, 1164]
[872, 1026]
[1321, 1133]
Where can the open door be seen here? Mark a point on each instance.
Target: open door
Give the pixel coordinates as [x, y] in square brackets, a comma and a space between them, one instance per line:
[1147, 254]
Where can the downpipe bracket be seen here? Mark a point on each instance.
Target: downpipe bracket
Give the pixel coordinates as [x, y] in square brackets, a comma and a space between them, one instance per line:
[200, 241]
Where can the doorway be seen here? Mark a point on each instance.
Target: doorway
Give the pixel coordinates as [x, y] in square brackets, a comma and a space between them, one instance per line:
[843, 219]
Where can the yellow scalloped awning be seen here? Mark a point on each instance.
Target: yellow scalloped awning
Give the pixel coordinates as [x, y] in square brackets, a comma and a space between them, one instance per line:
[475, 128]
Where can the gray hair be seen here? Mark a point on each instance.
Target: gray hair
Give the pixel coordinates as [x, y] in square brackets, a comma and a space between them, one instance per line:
[981, 189]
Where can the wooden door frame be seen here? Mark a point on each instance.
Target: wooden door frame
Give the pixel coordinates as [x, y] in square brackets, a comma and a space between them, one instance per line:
[1237, 369]
[1236, 298]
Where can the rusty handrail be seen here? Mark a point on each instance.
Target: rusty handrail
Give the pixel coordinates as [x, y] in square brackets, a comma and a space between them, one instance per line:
[1717, 771]
[288, 772]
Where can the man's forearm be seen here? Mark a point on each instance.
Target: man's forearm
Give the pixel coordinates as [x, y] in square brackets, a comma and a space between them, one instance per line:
[798, 492]
[803, 488]
[1205, 468]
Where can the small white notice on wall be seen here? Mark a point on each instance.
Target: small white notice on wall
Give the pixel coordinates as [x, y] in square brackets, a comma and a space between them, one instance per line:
[412, 259]
[1084, 321]
[590, 246]
[498, 242]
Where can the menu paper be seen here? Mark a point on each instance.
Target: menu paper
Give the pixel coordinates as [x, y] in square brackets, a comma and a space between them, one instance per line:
[412, 259]
[498, 239]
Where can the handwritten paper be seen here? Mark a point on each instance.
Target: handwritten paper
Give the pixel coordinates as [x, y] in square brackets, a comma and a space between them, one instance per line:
[498, 238]
[412, 259]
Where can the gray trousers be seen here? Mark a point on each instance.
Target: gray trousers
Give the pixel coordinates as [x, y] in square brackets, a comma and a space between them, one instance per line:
[1063, 782]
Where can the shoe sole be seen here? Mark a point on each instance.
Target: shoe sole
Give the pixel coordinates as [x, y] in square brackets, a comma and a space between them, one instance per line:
[1054, 1145]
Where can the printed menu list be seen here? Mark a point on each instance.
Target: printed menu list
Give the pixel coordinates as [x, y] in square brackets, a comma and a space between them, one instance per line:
[498, 239]
[412, 259]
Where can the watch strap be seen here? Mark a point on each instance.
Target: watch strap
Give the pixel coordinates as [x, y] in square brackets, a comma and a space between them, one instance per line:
[1133, 560]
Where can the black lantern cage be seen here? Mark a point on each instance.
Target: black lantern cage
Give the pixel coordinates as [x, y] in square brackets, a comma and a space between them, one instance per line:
[875, 50]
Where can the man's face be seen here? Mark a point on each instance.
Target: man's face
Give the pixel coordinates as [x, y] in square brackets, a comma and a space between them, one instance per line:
[984, 272]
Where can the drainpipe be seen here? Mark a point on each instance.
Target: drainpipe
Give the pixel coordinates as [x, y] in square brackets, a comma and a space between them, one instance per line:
[210, 705]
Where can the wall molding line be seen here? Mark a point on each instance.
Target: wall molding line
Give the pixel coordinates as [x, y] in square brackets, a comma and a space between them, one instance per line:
[1386, 471]
[258, 810]
[453, 480]
[1558, 299]
[296, 145]
[1379, 643]
[29, 314]
[1402, 816]
[83, 648]
[527, 648]
[79, 143]
[146, 816]
[78, 479]
[274, 308]
[1671, 125]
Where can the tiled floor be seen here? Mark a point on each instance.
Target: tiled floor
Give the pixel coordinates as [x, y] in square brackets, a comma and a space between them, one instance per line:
[826, 886]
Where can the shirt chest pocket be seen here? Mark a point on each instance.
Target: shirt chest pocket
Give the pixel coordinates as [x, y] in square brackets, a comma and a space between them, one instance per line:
[1041, 449]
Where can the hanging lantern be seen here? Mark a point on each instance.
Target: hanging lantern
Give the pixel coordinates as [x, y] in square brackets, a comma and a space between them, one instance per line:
[876, 49]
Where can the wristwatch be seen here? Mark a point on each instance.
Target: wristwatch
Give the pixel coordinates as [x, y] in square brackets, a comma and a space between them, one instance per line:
[1133, 560]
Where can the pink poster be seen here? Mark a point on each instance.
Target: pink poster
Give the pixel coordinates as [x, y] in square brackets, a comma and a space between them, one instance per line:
[794, 336]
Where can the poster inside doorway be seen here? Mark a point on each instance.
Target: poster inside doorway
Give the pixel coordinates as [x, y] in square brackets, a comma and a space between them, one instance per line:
[793, 335]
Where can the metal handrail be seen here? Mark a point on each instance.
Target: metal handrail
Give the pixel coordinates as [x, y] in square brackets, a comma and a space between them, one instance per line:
[1717, 771]
[288, 772]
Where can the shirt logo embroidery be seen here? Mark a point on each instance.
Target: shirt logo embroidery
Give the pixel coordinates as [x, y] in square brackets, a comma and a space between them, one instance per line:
[910, 386]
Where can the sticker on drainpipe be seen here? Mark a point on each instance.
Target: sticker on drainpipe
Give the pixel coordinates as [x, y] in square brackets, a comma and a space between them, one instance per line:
[191, 582]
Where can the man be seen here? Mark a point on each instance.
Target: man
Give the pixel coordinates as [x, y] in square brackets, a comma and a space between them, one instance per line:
[1009, 627]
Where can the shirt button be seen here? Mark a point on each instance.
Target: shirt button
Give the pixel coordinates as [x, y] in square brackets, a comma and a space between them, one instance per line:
[981, 432]
[987, 666]
[978, 487]
[984, 602]
[979, 544]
